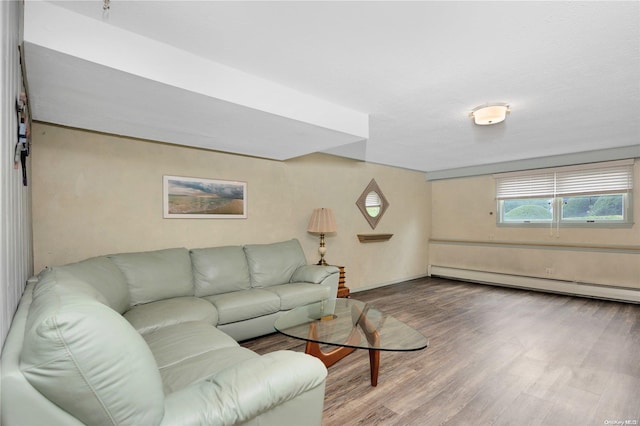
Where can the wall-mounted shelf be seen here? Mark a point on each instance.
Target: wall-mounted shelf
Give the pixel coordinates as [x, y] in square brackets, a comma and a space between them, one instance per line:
[372, 238]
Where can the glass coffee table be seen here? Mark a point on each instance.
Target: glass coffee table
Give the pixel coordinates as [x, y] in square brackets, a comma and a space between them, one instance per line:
[349, 324]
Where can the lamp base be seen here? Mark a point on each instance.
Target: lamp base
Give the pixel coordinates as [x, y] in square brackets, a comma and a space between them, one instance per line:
[322, 250]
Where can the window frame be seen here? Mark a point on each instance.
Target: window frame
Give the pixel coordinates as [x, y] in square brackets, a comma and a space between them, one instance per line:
[537, 184]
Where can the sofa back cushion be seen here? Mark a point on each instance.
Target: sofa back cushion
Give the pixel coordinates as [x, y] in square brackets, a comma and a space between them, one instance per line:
[103, 275]
[156, 275]
[86, 358]
[218, 270]
[273, 264]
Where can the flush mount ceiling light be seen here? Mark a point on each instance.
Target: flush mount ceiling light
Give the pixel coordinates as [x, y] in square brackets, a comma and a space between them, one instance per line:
[489, 114]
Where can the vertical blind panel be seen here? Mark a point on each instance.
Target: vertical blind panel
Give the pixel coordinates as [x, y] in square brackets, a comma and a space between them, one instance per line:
[595, 181]
[531, 186]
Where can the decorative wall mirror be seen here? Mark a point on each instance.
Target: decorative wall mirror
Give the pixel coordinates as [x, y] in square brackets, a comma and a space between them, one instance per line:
[372, 203]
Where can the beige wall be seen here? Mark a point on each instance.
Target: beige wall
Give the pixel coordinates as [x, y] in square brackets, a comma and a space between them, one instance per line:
[465, 209]
[95, 194]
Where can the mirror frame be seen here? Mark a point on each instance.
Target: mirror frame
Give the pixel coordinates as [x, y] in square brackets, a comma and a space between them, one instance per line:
[384, 204]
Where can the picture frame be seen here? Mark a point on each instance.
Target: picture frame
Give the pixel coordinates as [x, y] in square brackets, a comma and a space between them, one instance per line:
[200, 198]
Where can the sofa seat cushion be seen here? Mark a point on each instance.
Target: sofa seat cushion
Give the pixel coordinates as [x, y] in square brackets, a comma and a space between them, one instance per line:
[255, 392]
[202, 367]
[191, 352]
[244, 304]
[156, 275]
[273, 264]
[219, 270]
[299, 294]
[172, 344]
[151, 316]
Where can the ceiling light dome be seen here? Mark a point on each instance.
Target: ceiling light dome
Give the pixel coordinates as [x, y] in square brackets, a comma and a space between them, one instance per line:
[489, 114]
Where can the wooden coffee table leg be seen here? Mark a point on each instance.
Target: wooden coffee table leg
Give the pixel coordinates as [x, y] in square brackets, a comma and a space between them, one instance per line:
[373, 336]
[374, 361]
[331, 357]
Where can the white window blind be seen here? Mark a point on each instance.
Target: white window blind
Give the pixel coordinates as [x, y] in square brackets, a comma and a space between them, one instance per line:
[607, 180]
[601, 178]
[527, 186]
[372, 200]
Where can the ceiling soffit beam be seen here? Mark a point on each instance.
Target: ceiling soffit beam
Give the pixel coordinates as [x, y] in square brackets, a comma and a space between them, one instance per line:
[595, 156]
[61, 30]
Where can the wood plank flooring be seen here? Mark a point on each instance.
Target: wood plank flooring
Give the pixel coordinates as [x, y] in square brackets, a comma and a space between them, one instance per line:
[497, 356]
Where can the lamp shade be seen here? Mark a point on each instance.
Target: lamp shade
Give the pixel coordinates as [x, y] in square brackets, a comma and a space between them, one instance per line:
[322, 221]
[490, 114]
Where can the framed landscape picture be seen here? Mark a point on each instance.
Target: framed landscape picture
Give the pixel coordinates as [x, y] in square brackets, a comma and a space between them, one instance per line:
[196, 198]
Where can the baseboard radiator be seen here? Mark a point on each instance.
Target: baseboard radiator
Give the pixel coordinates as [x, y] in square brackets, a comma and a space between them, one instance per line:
[542, 284]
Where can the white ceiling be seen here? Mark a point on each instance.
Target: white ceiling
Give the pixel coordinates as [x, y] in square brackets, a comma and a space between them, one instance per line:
[386, 82]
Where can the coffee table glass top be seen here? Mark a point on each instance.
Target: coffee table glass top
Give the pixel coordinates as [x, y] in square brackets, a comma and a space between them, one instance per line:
[350, 323]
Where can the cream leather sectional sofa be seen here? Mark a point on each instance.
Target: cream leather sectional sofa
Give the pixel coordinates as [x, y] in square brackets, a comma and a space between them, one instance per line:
[151, 339]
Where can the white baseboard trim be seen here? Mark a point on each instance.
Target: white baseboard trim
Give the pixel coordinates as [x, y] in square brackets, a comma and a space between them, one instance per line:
[543, 284]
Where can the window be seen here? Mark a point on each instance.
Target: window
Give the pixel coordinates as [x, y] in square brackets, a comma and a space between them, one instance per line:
[586, 195]
[373, 204]
[527, 210]
[609, 207]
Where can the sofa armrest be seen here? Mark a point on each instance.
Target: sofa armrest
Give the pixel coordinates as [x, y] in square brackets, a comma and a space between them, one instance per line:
[247, 390]
[313, 273]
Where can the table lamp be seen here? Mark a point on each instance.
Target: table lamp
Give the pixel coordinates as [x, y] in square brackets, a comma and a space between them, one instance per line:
[322, 222]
